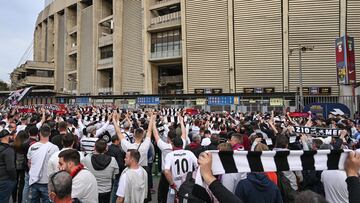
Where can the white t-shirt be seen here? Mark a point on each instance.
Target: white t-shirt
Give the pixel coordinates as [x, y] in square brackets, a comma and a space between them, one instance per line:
[335, 186]
[122, 182]
[143, 149]
[180, 162]
[84, 187]
[53, 164]
[20, 128]
[34, 158]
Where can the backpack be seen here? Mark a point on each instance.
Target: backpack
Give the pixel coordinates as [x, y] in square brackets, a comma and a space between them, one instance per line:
[20, 161]
[185, 191]
[288, 194]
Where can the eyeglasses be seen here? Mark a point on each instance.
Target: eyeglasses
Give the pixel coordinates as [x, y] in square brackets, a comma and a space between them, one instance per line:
[52, 180]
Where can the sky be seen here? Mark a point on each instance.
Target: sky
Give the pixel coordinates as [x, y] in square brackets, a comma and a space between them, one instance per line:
[17, 24]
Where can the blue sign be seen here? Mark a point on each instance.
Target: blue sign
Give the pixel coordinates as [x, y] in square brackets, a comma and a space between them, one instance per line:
[324, 109]
[148, 100]
[61, 100]
[82, 100]
[220, 100]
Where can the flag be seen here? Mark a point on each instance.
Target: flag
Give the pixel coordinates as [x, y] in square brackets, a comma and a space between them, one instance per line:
[16, 96]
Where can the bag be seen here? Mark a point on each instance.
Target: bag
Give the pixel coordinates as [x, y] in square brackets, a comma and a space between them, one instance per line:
[288, 194]
[20, 162]
[185, 191]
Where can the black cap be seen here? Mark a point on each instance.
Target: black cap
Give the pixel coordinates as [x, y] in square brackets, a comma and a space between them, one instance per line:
[4, 133]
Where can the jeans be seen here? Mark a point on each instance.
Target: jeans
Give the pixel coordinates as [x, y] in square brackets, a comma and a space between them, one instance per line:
[150, 177]
[163, 189]
[39, 191]
[114, 190]
[18, 191]
[6, 188]
[25, 193]
[104, 197]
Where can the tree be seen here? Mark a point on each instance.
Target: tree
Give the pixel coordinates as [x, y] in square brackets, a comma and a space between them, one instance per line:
[4, 86]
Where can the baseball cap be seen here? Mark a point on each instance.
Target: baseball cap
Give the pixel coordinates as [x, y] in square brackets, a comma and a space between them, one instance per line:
[4, 133]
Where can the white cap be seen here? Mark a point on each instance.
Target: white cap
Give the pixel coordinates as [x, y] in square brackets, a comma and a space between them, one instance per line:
[205, 142]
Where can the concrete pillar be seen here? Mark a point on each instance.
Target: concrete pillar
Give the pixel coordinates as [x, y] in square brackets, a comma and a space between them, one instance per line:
[96, 16]
[56, 47]
[147, 45]
[184, 56]
[286, 46]
[43, 41]
[231, 46]
[50, 40]
[118, 7]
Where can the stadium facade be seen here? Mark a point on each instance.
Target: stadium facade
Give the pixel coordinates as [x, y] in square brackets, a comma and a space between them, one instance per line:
[92, 47]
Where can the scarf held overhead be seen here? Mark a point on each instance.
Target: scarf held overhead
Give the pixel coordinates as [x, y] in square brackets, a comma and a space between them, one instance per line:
[269, 161]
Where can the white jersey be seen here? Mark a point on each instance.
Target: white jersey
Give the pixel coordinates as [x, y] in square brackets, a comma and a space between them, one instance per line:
[180, 162]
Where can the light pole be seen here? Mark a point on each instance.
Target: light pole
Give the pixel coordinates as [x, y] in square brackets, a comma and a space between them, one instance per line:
[301, 48]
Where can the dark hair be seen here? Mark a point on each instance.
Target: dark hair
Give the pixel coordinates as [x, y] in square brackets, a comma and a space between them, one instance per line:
[135, 154]
[51, 124]
[171, 135]
[100, 146]
[20, 139]
[68, 140]
[70, 155]
[114, 138]
[238, 137]
[281, 141]
[62, 125]
[317, 143]
[61, 184]
[45, 130]
[139, 133]
[309, 196]
[33, 131]
[178, 142]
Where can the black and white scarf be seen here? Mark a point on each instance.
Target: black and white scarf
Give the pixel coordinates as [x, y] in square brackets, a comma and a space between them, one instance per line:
[271, 161]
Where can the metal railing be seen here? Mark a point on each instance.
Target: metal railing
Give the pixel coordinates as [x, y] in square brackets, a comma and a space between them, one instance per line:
[162, 1]
[166, 18]
[171, 79]
[105, 89]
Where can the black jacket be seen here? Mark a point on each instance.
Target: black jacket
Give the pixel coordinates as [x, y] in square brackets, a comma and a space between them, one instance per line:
[119, 155]
[353, 186]
[222, 194]
[7, 163]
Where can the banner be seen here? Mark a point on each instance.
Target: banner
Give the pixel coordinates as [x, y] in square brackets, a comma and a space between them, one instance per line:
[276, 102]
[345, 60]
[322, 132]
[350, 60]
[16, 96]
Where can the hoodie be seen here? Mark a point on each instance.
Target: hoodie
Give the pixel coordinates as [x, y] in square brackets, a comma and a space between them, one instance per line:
[100, 161]
[104, 168]
[258, 188]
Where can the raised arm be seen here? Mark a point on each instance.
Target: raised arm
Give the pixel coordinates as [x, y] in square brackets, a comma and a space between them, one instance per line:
[117, 128]
[150, 126]
[309, 122]
[43, 118]
[271, 123]
[183, 128]
[104, 127]
[155, 130]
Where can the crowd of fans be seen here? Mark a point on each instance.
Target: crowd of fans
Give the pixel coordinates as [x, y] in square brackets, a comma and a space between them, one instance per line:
[46, 157]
